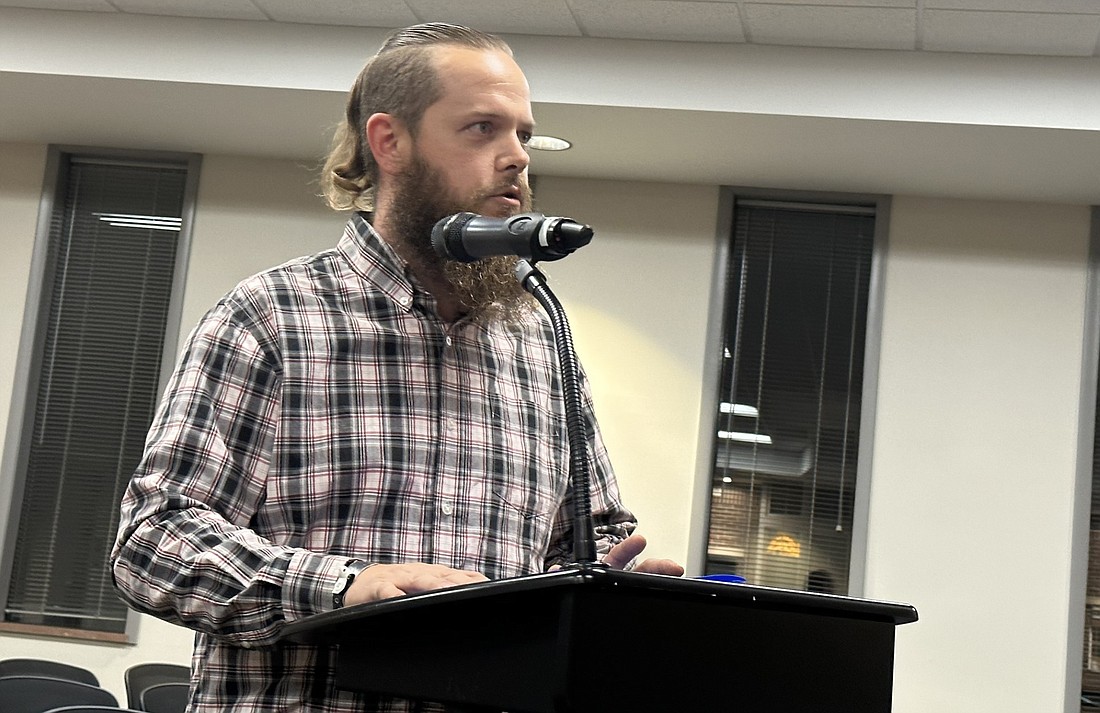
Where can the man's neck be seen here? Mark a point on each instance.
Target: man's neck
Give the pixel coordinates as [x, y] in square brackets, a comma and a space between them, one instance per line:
[429, 275]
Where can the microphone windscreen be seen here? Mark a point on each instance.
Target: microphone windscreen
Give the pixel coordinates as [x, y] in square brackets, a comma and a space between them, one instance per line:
[447, 237]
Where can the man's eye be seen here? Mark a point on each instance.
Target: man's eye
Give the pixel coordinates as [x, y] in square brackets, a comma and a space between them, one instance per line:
[483, 127]
[525, 137]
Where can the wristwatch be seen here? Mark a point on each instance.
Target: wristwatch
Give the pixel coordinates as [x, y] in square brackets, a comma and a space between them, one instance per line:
[352, 569]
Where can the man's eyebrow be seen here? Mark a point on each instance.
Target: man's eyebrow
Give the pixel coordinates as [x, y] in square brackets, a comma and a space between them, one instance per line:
[490, 114]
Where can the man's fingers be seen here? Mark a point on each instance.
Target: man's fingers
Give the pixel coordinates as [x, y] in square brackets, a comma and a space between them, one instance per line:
[621, 554]
[427, 581]
[384, 581]
[660, 566]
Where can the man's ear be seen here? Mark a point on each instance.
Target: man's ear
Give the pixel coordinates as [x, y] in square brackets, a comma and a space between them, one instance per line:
[389, 142]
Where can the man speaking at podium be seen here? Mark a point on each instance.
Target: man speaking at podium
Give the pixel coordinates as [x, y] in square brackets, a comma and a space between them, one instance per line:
[373, 420]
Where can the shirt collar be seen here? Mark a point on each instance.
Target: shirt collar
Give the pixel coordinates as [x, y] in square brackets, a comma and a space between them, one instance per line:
[375, 261]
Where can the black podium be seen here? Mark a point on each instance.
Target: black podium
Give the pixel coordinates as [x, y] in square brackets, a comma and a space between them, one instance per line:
[589, 638]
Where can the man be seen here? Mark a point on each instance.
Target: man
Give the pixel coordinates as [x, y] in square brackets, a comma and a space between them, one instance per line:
[371, 421]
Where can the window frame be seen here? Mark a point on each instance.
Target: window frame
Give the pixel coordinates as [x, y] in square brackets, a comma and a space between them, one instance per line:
[712, 367]
[1085, 475]
[27, 372]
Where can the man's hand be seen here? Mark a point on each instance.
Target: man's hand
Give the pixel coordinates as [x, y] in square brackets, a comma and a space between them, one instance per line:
[383, 581]
[621, 554]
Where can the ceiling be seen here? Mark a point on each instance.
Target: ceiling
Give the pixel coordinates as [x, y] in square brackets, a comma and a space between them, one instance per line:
[988, 99]
[1026, 27]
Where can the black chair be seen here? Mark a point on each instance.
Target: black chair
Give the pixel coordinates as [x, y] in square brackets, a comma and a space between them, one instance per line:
[48, 669]
[34, 694]
[91, 709]
[141, 676]
[165, 698]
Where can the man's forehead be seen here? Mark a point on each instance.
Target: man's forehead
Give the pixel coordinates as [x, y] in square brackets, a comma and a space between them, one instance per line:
[481, 81]
[457, 64]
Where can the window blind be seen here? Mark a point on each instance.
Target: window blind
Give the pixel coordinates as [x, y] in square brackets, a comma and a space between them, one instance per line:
[1090, 658]
[96, 361]
[786, 446]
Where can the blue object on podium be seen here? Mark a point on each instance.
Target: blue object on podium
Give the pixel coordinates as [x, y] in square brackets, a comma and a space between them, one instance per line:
[587, 638]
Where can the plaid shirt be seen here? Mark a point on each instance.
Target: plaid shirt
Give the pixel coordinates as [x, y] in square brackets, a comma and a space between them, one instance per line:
[322, 411]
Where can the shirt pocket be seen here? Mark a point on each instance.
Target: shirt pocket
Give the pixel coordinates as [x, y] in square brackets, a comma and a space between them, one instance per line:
[529, 472]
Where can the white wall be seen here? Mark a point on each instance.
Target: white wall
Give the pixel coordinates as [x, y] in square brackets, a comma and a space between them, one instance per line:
[251, 214]
[637, 300]
[975, 447]
[975, 450]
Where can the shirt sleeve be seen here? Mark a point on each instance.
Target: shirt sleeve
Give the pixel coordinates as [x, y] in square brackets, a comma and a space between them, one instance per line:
[185, 552]
[611, 520]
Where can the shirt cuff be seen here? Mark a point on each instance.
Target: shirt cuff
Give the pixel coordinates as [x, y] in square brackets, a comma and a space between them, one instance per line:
[310, 578]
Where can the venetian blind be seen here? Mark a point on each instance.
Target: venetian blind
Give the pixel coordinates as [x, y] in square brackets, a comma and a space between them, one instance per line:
[786, 446]
[96, 363]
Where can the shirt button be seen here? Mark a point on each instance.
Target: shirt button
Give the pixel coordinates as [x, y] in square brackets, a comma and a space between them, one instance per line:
[449, 341]
[448, 509]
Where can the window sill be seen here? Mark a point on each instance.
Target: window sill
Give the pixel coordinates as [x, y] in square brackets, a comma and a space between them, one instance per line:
[57, 632]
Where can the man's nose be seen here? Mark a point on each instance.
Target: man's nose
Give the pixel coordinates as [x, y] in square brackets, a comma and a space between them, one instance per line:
[515, 156]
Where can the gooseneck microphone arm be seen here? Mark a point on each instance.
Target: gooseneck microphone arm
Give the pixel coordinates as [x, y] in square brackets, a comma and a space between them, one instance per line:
[584, 544]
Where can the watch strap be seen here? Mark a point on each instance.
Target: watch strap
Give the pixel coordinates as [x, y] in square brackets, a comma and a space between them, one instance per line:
[352, 569]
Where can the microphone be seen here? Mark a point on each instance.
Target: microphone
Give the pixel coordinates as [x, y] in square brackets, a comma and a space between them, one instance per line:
[532, 236]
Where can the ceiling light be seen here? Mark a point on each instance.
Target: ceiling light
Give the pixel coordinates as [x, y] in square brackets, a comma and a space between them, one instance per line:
[548, 143]
[739, 409]
[746, 437]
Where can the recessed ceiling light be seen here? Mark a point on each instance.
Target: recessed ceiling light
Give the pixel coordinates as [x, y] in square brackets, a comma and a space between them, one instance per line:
[548, 143]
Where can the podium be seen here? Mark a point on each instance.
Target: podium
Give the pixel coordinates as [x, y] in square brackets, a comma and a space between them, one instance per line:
[588, 638]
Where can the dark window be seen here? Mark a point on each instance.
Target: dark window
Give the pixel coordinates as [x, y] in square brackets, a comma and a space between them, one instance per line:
[97, 339]
[1090, 658]
[788, 422]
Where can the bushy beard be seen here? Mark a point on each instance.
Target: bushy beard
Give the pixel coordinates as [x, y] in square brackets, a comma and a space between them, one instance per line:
[487, 289]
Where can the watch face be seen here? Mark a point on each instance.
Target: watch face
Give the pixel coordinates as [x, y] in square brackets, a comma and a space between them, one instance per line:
[347, 575]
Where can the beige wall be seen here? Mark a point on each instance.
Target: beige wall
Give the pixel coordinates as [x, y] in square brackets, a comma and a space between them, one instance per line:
[975, 441]
[637, 300]
[975, 450]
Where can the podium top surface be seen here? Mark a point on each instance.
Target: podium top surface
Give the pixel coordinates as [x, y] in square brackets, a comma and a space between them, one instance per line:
[583, 579]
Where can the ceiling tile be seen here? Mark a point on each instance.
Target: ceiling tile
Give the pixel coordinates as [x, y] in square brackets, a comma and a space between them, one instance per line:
[357, 13]
[831, 26]
[96, 5]
[1010, 33]
[523, 17]
[1047, 6]
[659, 20]
[220, 9]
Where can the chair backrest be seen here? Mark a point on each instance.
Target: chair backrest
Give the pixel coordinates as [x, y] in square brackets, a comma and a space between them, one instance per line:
[165, 698]
[91, 709]
[47, 668]
[34, 694]
[143, 675]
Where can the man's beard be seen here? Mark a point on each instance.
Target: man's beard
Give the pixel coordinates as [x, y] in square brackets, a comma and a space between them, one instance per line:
[487, 289]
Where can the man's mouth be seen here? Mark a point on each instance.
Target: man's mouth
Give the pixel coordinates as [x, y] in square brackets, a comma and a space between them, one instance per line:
[512, 193]
[509, 199]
